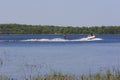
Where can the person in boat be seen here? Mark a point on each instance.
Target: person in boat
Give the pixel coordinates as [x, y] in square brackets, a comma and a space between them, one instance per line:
[91, 36]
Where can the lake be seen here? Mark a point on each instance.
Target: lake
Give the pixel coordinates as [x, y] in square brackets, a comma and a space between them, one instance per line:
[24, 55]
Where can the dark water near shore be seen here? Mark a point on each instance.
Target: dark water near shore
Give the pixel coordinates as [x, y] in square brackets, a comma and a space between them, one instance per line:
[23, 55]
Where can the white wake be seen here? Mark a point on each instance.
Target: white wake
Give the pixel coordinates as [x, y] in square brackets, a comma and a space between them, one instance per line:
[60, 40]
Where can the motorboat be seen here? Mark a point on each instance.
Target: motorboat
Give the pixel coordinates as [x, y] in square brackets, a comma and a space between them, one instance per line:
[91, 36]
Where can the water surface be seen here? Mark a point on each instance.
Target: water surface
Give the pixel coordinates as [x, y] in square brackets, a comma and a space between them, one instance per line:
[22, 55]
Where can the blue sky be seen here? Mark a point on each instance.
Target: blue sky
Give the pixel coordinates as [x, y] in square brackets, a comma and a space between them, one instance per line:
[61, 12]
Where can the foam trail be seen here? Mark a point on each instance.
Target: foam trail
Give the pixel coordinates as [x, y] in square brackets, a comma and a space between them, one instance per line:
[45, 40]
[59, 40]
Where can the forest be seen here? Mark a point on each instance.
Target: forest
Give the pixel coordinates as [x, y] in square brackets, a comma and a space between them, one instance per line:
[51, 29]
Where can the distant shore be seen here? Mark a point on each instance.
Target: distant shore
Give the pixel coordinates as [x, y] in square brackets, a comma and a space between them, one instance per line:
[51, 29]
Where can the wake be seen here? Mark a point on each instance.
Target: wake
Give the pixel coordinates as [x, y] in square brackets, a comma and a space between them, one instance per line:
[60, 40]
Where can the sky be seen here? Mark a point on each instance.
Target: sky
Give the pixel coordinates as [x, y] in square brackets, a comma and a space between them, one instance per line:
[61, 12]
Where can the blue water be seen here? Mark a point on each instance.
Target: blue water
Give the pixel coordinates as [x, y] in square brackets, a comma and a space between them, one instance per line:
[24, 55]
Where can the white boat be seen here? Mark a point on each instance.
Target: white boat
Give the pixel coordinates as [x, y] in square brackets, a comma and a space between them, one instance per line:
[90, 37]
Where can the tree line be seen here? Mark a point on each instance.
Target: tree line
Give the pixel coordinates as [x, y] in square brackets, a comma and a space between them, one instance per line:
[49, 29]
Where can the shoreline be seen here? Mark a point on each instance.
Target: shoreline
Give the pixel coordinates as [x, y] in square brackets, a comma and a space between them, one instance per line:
[108, 74]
